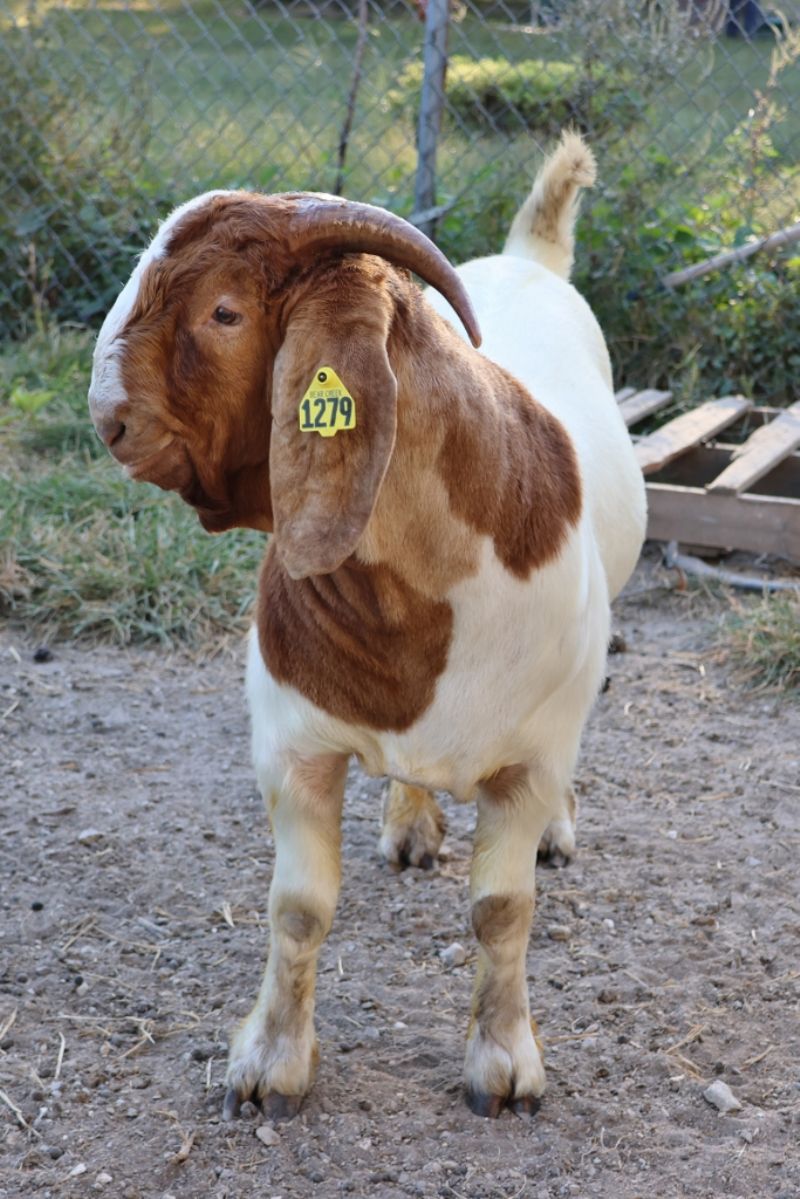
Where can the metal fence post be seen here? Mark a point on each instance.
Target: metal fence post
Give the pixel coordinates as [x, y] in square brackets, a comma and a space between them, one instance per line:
[437, 15]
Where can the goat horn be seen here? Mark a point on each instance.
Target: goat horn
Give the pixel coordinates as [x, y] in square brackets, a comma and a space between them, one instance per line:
[323, 222]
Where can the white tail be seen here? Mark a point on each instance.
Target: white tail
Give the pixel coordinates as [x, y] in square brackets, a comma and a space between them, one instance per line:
[544, 226]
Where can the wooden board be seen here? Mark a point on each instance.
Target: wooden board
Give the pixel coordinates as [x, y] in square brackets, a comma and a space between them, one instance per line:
[700, 466]
[639, 404]
[654, 451]
[762, 451]
[624, 393]
[762, 524]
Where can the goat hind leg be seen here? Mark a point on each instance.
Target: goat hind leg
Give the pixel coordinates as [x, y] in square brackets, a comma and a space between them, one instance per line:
[273, 1052]
[413, 826]
[557, 846]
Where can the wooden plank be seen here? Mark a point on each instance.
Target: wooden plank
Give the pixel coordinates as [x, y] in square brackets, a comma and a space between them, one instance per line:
[641, 404]
[701, 465]
[762, 451]
[657, 449]
[761, 524]
[624, 393]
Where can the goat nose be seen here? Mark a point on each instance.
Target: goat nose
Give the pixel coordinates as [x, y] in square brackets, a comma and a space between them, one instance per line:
[109, 429]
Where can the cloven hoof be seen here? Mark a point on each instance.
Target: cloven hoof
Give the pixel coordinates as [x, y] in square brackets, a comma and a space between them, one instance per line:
[491, 1106]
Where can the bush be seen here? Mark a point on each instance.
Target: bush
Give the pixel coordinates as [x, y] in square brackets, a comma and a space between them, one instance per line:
[732, 330]
[74, 211]
[537, 94]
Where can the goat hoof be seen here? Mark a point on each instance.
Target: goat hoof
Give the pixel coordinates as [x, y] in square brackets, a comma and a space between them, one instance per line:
[232, 1105]
[426, 862]
[525, 1105]
[280, 1107]
[554, 857]
[483, 1104]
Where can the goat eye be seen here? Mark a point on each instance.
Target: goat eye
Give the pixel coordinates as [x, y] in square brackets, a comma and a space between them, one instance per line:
[225, 316]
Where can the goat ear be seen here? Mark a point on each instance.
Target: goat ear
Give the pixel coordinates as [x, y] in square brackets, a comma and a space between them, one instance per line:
[324, 488]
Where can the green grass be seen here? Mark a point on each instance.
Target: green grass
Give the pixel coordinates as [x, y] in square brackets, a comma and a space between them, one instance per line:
[83, 551]
[272, 94]
[764, 642]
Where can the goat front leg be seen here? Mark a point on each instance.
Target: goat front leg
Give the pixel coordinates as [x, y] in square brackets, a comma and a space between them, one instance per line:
[503, 1063]
[274, 1052]
[413, 826]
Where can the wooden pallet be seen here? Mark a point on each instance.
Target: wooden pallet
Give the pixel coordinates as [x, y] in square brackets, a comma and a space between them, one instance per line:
[725, 475]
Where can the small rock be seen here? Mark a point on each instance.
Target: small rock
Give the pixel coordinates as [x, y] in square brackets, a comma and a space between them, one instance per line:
[559, 932]
[103, 1179]
[42, 653]
[90, 836]
[454, 955]
[617, 644]
[268, 1136]
[76, 1171]
[720, 1096]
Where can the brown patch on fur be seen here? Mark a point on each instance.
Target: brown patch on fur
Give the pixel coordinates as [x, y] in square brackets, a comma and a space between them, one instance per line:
[511, 472]
[504, 783]
[320, 778]
[295, 920]
[508, 466]
[501, 924]
[495, 918]
[360, 643]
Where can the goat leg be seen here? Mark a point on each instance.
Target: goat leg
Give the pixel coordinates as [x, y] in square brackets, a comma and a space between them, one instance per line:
[274, 1052]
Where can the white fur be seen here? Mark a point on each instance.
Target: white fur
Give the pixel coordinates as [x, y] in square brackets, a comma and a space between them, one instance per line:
[107, 390]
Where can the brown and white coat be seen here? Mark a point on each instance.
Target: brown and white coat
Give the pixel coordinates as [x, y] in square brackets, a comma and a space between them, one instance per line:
[435, 595]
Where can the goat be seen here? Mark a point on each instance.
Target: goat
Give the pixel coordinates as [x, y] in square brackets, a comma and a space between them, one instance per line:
[448, 528]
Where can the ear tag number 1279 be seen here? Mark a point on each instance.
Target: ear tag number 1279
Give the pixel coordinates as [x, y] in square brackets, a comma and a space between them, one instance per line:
[327, 405]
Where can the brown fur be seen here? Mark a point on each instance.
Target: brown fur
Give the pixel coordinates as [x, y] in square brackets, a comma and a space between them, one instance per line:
[374, 526]
[361, 643]
[500, 922]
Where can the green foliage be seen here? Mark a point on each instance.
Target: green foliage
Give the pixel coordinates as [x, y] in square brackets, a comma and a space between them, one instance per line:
[85, 552]
[764, 640]
[538, 94]
[734, 329]
[75, 212]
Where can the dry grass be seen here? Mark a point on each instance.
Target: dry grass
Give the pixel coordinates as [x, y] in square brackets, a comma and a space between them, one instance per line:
[764, 642]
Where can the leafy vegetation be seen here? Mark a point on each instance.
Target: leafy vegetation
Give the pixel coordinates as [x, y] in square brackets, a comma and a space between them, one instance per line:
[541, 95]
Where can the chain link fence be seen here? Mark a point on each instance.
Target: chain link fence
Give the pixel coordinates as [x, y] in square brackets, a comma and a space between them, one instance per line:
[112, 112]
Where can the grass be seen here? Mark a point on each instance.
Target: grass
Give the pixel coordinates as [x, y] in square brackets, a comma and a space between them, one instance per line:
[84, 552]
[763, 641]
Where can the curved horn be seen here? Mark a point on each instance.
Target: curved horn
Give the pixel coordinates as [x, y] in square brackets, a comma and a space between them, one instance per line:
[325, 222]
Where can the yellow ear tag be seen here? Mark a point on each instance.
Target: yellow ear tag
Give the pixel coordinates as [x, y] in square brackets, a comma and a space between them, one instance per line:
[327, 405]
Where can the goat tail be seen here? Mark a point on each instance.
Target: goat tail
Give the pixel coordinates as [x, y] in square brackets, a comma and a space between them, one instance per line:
[543, 228]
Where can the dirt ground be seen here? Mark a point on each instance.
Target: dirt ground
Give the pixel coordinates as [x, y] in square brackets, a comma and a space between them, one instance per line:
[134, 873]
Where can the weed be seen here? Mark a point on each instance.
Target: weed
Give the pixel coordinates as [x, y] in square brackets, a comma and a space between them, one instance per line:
[764, 642]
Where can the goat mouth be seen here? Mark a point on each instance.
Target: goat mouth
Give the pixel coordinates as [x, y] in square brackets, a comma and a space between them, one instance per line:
[167, 467]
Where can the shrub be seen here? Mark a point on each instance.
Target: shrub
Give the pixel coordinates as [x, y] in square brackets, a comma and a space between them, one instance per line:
[74, 212]
[497, 95]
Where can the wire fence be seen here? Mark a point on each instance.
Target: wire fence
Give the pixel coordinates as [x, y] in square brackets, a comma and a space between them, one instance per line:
[112, 112]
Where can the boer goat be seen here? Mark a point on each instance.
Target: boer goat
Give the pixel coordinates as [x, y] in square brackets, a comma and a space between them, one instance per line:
[448, 528]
